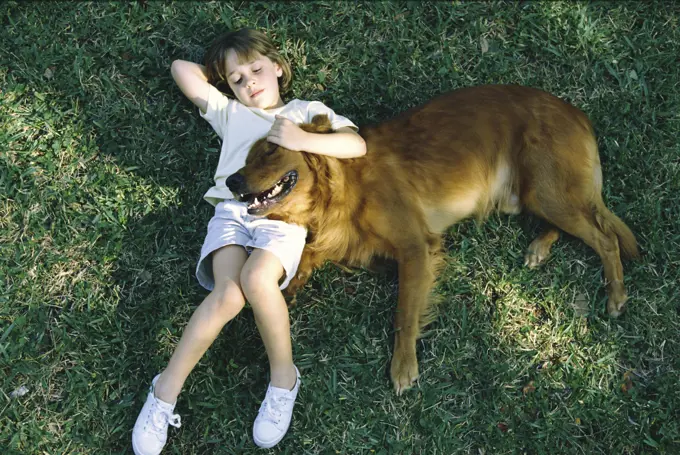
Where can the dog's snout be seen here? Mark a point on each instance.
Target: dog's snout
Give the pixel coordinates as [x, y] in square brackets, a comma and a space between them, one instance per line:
[236, 182]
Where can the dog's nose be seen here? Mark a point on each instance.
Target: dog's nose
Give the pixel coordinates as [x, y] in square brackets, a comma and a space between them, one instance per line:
[236, 182]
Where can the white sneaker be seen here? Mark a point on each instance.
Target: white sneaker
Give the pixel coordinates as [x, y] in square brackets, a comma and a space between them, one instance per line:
[276, 411]
[151, 429]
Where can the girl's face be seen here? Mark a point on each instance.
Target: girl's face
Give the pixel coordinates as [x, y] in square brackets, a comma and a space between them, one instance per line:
[255, 83]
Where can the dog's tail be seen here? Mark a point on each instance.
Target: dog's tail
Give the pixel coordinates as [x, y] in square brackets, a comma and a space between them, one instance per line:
[608, 222]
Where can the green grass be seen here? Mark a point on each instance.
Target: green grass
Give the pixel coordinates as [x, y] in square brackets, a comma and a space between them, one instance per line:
[103, 166]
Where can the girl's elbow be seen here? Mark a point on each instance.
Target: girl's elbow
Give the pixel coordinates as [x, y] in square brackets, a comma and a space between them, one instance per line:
[362, 146]
[175, 67]
[181, 67]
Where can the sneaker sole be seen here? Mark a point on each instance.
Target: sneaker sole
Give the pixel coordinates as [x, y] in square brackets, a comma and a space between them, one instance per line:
[268, 445]
[136, 450]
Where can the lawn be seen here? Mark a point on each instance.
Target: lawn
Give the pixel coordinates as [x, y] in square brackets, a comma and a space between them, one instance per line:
[103, 165]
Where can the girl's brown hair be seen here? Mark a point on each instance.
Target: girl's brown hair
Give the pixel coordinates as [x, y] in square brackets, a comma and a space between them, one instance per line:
[246, 42]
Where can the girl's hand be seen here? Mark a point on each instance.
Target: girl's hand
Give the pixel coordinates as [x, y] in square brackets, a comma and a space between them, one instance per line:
[287, 134]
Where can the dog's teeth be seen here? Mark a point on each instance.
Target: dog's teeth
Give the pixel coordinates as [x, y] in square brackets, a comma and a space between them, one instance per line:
[276, 190]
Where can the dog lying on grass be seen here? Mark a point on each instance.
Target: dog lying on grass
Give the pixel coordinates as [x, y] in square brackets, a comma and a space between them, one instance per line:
[462, 154]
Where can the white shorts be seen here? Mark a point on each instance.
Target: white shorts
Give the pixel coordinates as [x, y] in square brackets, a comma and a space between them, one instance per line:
[232, 225]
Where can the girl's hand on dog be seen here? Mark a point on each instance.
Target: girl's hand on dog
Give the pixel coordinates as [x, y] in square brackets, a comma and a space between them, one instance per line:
[287, 134]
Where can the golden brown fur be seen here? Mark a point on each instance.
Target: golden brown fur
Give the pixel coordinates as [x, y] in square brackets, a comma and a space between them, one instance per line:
[465, 153]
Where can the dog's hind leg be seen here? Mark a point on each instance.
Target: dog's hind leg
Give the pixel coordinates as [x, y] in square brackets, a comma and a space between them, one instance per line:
[563, 185]
[539, 249]
[594, 228]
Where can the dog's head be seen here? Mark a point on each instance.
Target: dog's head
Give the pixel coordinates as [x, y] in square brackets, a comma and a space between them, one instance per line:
[277, 182]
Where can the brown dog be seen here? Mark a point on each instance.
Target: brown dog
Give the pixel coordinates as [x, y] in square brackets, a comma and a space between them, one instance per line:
[463, 154]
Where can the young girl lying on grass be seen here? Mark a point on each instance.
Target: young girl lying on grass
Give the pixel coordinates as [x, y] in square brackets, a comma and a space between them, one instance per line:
[244, 257]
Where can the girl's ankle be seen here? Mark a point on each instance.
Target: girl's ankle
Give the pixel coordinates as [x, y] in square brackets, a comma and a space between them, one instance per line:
[160, 391]
[284, 379]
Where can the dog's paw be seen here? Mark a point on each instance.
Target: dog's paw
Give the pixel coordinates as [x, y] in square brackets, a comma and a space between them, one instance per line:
[616, 304]
[291, 301]
[404, 370]
[532, 260]
[536, 254]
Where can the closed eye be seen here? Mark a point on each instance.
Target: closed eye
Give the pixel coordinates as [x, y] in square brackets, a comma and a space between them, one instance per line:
[240, 79]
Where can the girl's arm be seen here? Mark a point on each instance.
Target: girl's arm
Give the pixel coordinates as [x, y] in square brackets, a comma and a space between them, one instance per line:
[343, 143]
[192, 80]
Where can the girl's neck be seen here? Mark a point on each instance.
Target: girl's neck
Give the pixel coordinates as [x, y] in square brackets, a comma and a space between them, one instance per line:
[279, 104]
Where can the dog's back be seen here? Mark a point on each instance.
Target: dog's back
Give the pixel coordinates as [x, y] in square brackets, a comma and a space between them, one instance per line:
[476, 149]
[509, 148]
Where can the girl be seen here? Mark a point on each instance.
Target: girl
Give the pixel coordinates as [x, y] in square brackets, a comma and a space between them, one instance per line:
[251, 75]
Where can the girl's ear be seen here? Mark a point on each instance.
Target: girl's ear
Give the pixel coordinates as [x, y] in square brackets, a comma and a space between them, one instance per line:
[278, 70]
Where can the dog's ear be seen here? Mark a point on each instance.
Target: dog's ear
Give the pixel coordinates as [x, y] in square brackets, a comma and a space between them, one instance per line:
[320, 124]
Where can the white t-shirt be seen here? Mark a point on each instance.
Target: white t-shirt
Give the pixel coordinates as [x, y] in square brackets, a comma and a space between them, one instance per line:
[240, 127]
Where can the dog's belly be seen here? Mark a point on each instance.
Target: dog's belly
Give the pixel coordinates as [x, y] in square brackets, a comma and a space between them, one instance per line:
[450, 211]
[503, 192]
[498, 193]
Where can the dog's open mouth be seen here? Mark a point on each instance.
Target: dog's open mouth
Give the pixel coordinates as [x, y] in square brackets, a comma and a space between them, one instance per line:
[258, 203]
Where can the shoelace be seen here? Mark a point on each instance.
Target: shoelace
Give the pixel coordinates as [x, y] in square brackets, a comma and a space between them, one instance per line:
[271, 407]
[161, 418]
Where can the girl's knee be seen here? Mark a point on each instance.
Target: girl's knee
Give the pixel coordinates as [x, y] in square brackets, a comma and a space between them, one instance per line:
[256, 281]
[226, 300]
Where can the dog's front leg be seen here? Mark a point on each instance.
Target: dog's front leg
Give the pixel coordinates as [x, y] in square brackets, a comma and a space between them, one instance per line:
[308, 262]
[416, 277]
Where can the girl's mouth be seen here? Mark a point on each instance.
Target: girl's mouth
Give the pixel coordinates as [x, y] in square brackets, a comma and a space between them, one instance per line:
[257, 93]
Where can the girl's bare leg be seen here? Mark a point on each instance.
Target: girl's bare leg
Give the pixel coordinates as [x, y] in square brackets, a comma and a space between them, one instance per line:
[259, 281]
[218, 308]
